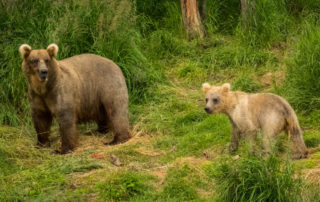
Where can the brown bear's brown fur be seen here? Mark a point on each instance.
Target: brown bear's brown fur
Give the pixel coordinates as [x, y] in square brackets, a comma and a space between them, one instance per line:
[78, 89]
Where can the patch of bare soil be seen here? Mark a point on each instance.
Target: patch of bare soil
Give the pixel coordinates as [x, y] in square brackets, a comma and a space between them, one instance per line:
[312, 175]
[272, 77]
[192, 161]
[160, 173]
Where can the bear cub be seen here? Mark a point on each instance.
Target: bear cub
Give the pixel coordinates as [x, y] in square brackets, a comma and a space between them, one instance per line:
[250, 113]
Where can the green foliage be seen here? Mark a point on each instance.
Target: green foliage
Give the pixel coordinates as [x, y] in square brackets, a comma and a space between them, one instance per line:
[256, 179]
[177, 185]
[266, 22]
[222, 16]
[302, 87]
[311, 138]
[303, 7]
[246, 84]
[123, 186]
[229, 53]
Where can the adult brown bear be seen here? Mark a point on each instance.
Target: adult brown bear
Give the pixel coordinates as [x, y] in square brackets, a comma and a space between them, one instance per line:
[78, 89]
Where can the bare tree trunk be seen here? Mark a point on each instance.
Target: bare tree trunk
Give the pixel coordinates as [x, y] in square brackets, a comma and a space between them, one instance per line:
[191, 18]
[247, 7]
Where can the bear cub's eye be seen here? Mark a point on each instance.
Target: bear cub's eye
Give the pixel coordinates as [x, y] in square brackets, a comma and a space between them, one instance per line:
[46, 60]
[206, 100]
[215, 100]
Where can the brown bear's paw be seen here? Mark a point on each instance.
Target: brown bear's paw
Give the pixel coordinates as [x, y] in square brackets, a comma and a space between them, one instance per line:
[59, 151]
[43, 144]
[119, 140]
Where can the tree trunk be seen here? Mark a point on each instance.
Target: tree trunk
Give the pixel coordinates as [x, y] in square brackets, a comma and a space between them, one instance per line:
[191, 18]
[247, 7]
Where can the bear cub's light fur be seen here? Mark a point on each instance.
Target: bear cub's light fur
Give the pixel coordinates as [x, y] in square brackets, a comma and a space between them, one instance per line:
[249, 113]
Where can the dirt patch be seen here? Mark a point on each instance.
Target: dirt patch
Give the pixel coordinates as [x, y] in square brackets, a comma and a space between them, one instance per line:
[161, 174]
[192, 161]
[96, 142]
[312, 175]
[148, 151]
[272, 78]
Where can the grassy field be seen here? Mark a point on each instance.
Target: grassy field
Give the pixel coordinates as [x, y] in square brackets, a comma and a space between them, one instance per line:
[178, 152]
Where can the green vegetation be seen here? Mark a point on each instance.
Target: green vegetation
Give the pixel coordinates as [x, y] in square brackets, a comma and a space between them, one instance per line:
[178, 152]
[256, 179]
[123, 186]
[303, 72]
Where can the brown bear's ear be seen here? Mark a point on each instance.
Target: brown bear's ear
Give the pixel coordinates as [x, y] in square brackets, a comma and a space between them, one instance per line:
[206, 87]
[53, 50]
[24, 50]
[226, 87]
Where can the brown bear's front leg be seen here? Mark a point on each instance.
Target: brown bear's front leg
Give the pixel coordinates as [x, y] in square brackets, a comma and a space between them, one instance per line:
[42, 121]
[68, 130]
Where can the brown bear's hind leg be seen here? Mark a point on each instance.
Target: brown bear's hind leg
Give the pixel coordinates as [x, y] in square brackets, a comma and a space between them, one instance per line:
[103, 123]
[120, 123]
[42, 122]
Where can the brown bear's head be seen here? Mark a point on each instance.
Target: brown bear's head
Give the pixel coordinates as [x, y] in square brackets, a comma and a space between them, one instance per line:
[39, 63]
[216, 97]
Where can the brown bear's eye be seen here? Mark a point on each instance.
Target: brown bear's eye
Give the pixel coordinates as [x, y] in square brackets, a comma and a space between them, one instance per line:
[215, 100]
[206, 100]
[35, 61]
[46, 60]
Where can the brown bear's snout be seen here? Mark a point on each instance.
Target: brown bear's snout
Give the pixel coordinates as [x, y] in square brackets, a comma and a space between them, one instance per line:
[43, 73]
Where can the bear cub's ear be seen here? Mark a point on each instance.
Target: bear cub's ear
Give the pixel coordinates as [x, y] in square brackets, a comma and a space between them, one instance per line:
[24, 50]
[206, 87]
[226, 87]
[53, 50]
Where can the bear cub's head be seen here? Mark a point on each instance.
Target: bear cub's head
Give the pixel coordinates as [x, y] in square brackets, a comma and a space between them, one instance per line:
[39, 63]
[216, 97]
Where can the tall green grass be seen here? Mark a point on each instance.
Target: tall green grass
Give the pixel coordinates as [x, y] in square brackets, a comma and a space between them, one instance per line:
[302, 86]
[268, 24]
[222, 16]
[257, 179]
